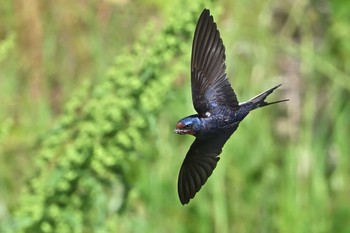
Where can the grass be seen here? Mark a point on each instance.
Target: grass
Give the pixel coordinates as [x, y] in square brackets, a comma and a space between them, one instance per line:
[286, 168]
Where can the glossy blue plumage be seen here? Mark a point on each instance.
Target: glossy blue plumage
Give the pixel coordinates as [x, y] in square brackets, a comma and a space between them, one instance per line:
[219, 112]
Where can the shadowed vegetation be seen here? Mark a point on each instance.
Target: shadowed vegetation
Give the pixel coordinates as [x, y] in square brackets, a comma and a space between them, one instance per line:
[91, 92]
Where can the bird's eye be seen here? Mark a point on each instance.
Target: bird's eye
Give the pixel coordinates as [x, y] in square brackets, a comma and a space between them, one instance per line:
[188, 126]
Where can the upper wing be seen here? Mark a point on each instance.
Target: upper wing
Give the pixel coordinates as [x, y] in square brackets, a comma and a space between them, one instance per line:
[199, 164]
[210, 86]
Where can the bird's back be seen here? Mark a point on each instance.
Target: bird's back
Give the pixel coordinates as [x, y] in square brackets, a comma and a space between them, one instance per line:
[221, 120]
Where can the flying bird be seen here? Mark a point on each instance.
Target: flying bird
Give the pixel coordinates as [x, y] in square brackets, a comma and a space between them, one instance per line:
[218, 110]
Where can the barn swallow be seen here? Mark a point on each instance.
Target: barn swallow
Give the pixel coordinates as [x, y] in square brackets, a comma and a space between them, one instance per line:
[218, 110]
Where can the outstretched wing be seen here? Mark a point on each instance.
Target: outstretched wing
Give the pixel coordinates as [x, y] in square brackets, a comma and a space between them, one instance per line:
[199, 164]
[210, 86]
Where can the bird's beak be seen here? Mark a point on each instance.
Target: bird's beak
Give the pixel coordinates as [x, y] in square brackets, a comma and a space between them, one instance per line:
[179, 131]
[183, 131]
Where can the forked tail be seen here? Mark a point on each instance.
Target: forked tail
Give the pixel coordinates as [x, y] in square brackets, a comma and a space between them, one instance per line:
[259, 100]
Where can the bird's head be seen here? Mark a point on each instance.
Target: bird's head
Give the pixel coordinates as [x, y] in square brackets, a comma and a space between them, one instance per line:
[188, 125]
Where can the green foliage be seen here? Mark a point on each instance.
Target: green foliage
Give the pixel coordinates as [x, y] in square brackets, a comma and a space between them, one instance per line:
[6, 46]
[85, 164]
[110, 162]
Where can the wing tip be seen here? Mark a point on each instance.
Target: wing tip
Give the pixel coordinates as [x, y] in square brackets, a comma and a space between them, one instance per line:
[206, 11]
[187, 186]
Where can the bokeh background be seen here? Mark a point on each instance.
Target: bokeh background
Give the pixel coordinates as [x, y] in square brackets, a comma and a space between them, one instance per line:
[90, 92]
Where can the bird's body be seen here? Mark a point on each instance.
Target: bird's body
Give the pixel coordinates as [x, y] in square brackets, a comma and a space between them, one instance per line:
[220, 120]
[218, 110]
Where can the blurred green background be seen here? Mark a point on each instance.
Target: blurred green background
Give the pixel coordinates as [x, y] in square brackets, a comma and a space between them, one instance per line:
[90, 92]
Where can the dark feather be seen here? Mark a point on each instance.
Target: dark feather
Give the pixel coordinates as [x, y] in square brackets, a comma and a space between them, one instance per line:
[210, 86]
[199, 164]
